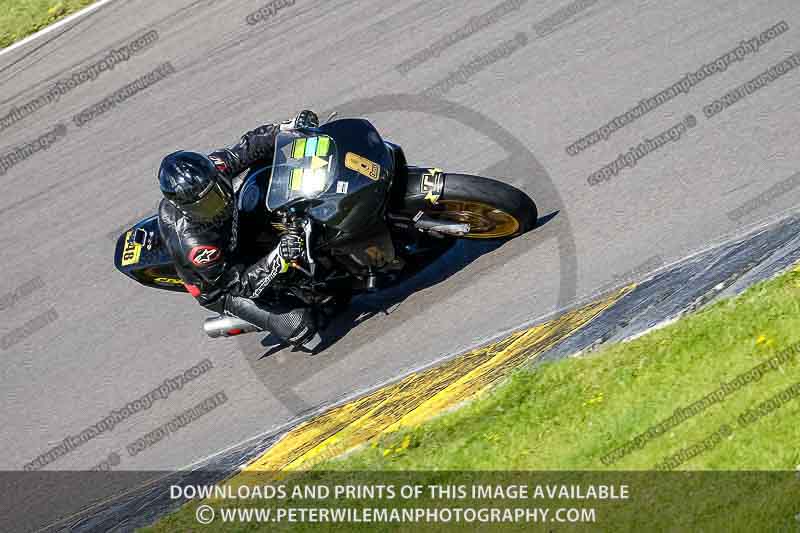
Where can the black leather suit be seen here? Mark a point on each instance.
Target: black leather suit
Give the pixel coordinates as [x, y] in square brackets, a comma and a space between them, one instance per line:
[214, 258]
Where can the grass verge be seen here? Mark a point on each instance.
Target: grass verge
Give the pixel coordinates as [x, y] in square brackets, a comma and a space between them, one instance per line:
[570, 414]
[717, 390]
[20, 18]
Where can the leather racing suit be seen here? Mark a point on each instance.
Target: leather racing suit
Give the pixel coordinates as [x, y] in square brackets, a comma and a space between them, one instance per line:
[213, 260]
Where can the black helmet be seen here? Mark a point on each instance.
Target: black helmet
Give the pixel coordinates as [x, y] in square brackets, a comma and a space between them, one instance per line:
[192, 183]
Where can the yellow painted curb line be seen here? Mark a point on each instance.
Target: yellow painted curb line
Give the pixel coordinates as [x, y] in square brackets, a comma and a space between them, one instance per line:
[422, 395]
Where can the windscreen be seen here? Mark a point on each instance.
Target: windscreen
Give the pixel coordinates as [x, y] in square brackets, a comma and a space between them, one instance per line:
[303, 167]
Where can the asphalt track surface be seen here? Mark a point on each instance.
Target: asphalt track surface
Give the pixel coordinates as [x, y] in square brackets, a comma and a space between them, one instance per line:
[109, 341]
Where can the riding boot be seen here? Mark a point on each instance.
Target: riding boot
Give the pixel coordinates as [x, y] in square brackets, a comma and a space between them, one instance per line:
[296, 326]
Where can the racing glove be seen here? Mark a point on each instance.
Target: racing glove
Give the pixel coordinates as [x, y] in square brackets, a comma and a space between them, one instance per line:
[291, 247]
[256, 279]
[304, 119]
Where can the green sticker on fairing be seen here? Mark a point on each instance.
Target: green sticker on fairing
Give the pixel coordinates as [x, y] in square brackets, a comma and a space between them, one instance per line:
[313, 155]
[323, 146]
[299, 148]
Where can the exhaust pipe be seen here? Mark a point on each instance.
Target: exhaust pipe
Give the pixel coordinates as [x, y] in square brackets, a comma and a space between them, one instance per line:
[227, 326]
[455, 229]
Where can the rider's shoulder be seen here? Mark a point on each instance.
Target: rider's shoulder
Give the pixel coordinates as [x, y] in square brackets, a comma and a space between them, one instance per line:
[167, 212]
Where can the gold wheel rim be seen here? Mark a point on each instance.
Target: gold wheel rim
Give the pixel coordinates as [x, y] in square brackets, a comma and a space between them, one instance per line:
[485, 221]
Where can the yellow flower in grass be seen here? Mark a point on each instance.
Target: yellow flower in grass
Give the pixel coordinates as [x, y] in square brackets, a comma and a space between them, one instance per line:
[597, 399]
[765, 341]
[492, 437]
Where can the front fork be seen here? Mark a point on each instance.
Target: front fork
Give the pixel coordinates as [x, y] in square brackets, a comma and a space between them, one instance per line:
[312, 266]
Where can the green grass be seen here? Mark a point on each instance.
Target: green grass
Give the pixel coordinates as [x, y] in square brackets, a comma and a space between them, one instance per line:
[20, 18]
[568, 414]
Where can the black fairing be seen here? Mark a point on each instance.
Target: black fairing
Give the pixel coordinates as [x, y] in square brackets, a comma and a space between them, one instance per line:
[141, 255]
[347, 215]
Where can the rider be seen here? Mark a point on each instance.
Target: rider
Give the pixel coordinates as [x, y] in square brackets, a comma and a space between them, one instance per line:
[200, 223]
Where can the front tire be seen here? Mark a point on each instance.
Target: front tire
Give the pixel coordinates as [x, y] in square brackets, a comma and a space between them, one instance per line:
[494, 210]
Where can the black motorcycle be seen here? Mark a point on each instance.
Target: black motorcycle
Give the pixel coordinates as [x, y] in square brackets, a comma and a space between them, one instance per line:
[369, 220]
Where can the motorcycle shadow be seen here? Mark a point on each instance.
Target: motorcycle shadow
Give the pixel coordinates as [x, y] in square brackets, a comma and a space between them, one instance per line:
[385, 301]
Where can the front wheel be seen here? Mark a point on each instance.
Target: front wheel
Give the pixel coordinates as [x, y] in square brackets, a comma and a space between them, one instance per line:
[493, 210]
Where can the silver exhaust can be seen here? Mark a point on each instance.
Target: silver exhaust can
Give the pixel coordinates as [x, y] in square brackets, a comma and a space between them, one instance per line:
[227, 326]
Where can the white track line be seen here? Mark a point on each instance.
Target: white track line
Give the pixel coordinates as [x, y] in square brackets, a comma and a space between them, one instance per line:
[83, 12]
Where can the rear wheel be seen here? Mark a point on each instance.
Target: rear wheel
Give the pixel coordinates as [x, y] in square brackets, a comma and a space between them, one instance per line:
[493, 210]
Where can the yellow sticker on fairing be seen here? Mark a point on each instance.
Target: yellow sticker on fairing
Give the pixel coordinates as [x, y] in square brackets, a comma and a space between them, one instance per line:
[296, 182]
[169, 281]
[318, 162]
[131, 252]
[362, 165]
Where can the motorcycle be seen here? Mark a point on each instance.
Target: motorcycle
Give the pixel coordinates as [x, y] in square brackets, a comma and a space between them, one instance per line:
[369, 220]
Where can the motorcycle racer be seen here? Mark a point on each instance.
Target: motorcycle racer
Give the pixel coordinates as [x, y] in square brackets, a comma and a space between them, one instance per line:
[207, 236]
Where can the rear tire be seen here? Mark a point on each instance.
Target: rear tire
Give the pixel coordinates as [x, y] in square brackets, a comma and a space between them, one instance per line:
[494, 210]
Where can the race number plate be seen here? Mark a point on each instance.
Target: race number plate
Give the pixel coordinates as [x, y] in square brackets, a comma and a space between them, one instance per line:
[131, 252]
[362, 165]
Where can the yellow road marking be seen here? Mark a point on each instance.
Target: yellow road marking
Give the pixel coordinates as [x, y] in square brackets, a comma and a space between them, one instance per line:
[421, 395]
